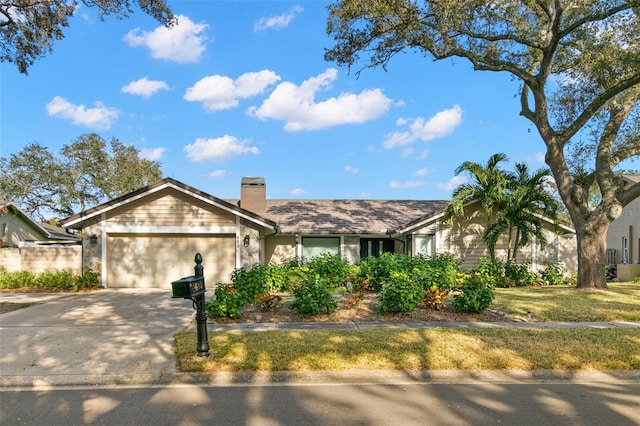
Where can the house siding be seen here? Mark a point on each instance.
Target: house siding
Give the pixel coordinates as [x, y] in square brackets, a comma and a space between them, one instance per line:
[279, 248]
[626, 226]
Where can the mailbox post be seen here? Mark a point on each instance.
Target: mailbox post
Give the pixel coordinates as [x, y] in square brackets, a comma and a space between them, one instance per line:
[193, 288]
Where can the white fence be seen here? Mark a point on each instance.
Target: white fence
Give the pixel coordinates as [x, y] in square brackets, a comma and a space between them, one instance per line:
[42, 258]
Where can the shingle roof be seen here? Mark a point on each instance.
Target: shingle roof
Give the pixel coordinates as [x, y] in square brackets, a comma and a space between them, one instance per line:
[347, 216]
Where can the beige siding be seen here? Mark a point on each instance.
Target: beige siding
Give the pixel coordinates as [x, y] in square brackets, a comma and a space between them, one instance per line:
[10, 259]
[279, 248]
[51, 258]
[627, 225]
[169, 208]
[154, 261]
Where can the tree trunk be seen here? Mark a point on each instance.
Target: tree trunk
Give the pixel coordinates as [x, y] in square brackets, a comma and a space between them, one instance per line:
[592, 247]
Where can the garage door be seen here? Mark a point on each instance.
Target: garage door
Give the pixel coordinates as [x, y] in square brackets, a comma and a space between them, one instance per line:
[154, 260]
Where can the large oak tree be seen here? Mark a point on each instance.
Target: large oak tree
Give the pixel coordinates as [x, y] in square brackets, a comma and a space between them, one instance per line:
[87, 171]
[28, 28]
[578, 62]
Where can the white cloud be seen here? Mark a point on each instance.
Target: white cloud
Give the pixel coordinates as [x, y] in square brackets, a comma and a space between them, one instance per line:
[452, 184]
[440, 125]
[218, 92]
[296, 105]
[182, 43]
[218, 149]
[152, 154]
[218, 173]
[408, 184]
[298, 191]
[277, 22]
[100, 117]
[538, 157]
[351, 169]
[423, 172]
[145, 87]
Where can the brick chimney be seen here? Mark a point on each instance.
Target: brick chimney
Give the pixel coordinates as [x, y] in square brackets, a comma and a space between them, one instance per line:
[253, 194]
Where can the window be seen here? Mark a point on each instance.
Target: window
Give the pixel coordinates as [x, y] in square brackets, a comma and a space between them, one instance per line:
[625, 250]
[424, 245]
[375, 246]
[315, 246]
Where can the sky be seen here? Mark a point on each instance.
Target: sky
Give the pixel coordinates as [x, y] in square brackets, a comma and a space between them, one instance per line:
[241, 88]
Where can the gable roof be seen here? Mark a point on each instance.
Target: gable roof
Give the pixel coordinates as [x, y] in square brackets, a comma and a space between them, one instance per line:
[347, 216]
[77, 220]
[49, 232]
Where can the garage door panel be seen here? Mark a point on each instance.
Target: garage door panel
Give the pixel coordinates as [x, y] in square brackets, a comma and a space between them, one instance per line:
[145, 261]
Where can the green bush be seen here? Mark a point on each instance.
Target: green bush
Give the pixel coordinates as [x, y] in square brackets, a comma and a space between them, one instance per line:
[475, 294]
[552, 274]
[61, 280]
[400, 294]
[227, 302]
[491, 271]
[438, 271]
[17, 279]
[519, 273]
[377, 270]
[312, 296]
[330, 268]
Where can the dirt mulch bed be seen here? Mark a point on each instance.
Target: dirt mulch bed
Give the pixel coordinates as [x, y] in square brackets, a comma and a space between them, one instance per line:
[364, 311]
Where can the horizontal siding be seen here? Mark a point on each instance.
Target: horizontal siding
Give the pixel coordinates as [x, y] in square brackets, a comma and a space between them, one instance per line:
[169, 208]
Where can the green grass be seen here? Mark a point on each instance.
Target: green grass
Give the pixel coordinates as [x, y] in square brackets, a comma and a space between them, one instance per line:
[620, 303]
[444, 348]
[414, 349]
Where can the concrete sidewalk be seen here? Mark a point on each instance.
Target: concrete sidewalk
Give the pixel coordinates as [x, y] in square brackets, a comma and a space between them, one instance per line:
[119, 337]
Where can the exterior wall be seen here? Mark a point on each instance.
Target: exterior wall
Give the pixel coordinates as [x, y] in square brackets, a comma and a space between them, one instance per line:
[250, 254]
[51, 258]
[627, 225]
[10, 259]
[463, 239]
[351, 248]
[278, 248]
[39, 259]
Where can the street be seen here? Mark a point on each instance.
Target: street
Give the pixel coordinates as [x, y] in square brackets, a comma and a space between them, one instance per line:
[467, 403]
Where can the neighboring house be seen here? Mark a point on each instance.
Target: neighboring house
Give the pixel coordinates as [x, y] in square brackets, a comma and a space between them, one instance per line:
[149, 237]
[623, 237]
[18, 229]
[36, 247]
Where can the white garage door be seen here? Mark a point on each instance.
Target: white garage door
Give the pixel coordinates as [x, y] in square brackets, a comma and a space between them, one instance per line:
[155, 260]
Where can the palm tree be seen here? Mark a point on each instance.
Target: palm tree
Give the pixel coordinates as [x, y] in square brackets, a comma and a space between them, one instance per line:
[522, 207]
[486, 186]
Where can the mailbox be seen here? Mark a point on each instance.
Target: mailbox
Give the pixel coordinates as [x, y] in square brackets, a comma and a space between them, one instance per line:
[188, 287]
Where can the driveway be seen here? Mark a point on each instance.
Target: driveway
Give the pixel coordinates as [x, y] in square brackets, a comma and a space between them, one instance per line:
[107, 336]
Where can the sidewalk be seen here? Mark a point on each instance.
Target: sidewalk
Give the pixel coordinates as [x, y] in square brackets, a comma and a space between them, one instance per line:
[125, 337]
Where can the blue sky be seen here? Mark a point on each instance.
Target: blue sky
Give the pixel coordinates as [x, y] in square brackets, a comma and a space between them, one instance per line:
[241, 88]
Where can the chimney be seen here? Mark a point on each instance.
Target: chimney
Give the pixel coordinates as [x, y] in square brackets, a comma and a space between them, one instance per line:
[253, 194]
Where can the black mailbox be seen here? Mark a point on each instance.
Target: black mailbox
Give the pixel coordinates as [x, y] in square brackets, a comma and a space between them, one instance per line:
[188, 287]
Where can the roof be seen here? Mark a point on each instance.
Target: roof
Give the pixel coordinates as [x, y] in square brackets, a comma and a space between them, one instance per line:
[347, 216]
[632, 178]
[77, 220]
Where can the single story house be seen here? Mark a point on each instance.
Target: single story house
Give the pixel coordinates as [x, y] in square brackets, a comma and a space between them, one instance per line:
[28, 245]
[623, 237]
[149, 237]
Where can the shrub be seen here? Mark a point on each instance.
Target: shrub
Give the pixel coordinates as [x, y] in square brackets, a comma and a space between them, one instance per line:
[249, 283]
[17, 279]
[519, 273]
[439, 271]
[434, 298]
[475, 294]
[61, 280]
[227, 302]
[330, 268]
[268, 302]
[552, 274]
[88, 280]
[400, 294]
[491, 271]
[313, 296]
[377, 270]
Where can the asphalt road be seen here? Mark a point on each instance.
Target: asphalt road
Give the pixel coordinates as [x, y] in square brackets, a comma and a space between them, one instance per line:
[470, 403]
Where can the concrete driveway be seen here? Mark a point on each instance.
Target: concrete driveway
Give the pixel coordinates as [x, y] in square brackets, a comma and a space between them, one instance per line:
[103, 337]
